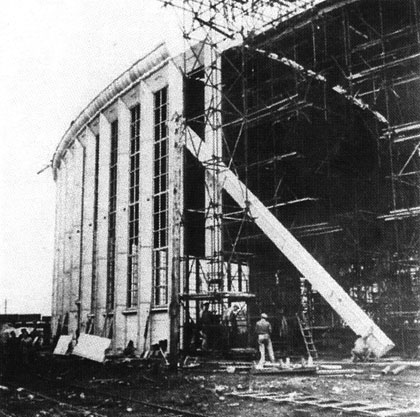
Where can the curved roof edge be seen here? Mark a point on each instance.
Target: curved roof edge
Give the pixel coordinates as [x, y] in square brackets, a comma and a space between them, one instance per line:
[138, 71]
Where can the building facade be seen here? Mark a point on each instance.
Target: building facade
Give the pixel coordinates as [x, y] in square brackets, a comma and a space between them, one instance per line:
[113, 170]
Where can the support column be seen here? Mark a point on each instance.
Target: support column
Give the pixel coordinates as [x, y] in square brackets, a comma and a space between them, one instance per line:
[55, 270]
[124, 118]
[75, 207]
[145, 218]
[65, 253]
[88, 141]
[102, 242]
[58, 251]
[176, 168]
[213, 136]
[68, 240]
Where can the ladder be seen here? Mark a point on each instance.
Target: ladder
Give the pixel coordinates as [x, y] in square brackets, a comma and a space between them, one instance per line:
[306, 332]
[304, 262]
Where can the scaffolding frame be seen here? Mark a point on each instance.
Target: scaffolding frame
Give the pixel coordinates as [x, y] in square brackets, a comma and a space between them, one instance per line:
[376, 63]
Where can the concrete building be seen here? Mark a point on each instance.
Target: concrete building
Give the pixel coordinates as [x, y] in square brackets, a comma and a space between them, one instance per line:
[169, 182]
[106, 203]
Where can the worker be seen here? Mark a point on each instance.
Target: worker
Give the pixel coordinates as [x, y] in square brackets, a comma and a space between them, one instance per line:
[130, 350]
[231, 324]
[4, 337]
[12, 356]
[263, 331]
[206, 319]
[25, 342]
[361, 350]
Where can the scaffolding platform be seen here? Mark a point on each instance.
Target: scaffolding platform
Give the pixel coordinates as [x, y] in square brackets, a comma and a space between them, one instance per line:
[231, 296]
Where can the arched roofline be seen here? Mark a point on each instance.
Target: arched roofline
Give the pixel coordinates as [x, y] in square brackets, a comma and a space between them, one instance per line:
[140, 70]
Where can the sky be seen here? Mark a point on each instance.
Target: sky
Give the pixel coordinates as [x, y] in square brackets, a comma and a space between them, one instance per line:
[55, 57]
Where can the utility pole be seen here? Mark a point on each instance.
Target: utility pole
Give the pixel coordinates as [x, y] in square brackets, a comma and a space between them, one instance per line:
[5, 306]
[174, 308]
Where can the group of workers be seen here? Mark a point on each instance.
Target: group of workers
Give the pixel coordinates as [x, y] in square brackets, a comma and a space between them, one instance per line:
[17, 351]
[229, 325]
[263, 330]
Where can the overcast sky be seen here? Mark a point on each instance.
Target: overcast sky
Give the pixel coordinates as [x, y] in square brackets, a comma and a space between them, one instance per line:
[55, 56]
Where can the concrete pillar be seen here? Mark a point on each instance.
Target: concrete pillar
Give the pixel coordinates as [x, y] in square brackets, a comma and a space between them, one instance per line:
[124, 118]
[55, 272]
[88, 140]
[64, 237]
[103, 186]
[68, 235]
[75, 208]
[58, 251]
[62, 240]
[146, 219]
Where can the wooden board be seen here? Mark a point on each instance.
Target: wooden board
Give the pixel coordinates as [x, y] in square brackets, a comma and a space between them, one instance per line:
[91, 347]
[309, 370]
[62, 345]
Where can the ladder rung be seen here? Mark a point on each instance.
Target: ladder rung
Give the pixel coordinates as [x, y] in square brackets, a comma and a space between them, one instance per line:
[306, 332]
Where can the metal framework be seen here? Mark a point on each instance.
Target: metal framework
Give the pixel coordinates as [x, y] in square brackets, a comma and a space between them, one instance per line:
[314, 106]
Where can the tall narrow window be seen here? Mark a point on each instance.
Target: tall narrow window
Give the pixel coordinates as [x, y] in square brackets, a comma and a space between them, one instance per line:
[133, 208]
[112, 213]
[95, 228]
[160, 200]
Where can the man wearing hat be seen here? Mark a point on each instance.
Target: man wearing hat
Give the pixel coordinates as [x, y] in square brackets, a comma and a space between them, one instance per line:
[263, 330]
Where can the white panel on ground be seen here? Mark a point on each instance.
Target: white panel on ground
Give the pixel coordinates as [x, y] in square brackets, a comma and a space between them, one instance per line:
[91, 347]
[159, 326]
[320, 279]
[62, 345]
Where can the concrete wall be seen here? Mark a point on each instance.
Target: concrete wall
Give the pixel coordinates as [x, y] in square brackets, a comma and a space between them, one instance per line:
[74, 239]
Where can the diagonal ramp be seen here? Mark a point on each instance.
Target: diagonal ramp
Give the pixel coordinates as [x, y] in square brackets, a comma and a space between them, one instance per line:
[320, 279]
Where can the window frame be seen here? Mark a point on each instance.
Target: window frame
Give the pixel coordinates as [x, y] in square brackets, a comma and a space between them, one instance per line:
[133, 209]
[160, 206]
[112, 217]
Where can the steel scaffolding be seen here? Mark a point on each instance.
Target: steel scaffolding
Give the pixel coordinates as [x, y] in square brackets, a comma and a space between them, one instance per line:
[315, 107]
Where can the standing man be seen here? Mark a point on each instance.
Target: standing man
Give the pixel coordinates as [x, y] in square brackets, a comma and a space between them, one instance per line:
[4, 338]
[25, 347]
[205, 322]
[263, 330]
[231, 324]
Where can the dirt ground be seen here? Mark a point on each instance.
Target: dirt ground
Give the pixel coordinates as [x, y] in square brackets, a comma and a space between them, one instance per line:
[121, 389]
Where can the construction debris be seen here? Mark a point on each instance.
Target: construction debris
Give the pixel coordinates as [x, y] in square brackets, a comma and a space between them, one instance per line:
[399, 369]
[91, 347]
[63, 344]
[285, 371]
[340, 371]
[386, 370]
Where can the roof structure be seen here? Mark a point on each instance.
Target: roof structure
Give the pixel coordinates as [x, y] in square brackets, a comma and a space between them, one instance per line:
[145, 66]
[238, 17]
